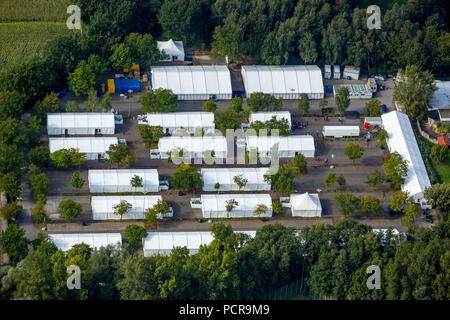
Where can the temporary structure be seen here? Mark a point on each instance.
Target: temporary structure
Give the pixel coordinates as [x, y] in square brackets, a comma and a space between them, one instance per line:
[401, 139]
[65, 242]
[288, 147]
[104, 181]
[80, 123]
[351, 72]
[355, 91]
[102, 206]
[340, 131]
[193, 146]
[187, 120]
[164, 242]
[194, 82]
[286, 81]
[305, 205]
[266, 116]
[173, 50]
[214, 205]
[95, 148]
[225, 178]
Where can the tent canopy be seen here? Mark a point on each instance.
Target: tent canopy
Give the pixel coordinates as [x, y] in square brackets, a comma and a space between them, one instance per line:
[225, 177]
[294, 143]
[246, 202]
[266, 116]
[84, 145]
[306, 204]
[80, 120]
[119, 180]
[102, 206]
[65, 242]
[218, 144]
[171, 48]
[186, 120]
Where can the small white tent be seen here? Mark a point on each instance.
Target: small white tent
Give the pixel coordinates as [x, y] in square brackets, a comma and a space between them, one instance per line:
[194, 146]
[65, 242]
[305, 205]
[80, 123]
[214, 205]
[173, 50]
[102, 207]
[170, 122]
[95, 148]
[288, 147]
[104, 181]
[225, 178]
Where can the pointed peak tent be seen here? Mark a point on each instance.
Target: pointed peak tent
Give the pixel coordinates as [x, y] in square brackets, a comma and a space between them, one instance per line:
[306, 205]
[173, 49]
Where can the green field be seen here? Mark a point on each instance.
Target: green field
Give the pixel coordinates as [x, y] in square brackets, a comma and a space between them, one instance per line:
[443, 170]
[23, 41]
[33, 10]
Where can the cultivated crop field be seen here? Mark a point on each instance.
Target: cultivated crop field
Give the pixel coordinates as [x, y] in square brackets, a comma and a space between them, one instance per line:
[25, 40]
[33, 10]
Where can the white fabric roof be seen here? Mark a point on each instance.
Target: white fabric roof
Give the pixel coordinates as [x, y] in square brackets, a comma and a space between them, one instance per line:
[171, 47]
[246, 202]
[85, 145]
[401, 139]
[193, 144]
[266, 116]
[192, 79]
[123, 177]
[181, 119]
[305, 201]
[94, 240]
[289, 143]
[80, 120]
[102, 206]
[283, 79]
[226, 175]
[441, 97]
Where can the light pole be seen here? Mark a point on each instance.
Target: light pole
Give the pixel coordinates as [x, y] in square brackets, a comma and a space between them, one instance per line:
[129, 103]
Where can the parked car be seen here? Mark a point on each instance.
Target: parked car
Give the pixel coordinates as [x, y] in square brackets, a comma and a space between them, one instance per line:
[379, 77]
[264, 219]
[384, 108]
[181, 193]
[201, 220]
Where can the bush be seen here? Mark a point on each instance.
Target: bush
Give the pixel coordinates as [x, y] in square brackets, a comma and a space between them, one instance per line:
[135, 233]
[39, 187]
[38, 213]
[69, 209]
[10, 211]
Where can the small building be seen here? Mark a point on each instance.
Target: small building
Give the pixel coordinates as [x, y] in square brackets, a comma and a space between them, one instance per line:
[225, 178]
[340, 131]
[171, 50]
[351, 73]
[123, 85]
[327, 71]
[94, 148]
[266, 116]
[372, 121]
[305, 205]
[443, 140]
[355, 91]
[86, 123]
[102, 206]
[108, 181]
[336, 72]
[444, 115]
[214, 205]
[288, 147]
[193, 147]
[66, 241]
[190, 121]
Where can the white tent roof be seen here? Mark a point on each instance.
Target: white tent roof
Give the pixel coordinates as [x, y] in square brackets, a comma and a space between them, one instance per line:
[80, 120]
[289, 143]
[283, 79]
[441, 97]
[192, 79]
[246, 202]
[171, 47]
[193, 144]
[85, 145]
[306, 201]
[401, 139]
[181, 119]
[266, 116]
[102, 205]
[94, 240]
[226, 175]
[111, 177]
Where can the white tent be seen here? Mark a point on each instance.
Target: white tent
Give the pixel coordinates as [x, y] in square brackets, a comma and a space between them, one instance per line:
[287, 82]
[80, 123]
[195, 146]
[95, 148]
[214, 205]
[164, 242]
[102, 207]
[104, 181]
[65, 242]
[174, 50]
[305, 205]
[187, 120]
[194, 82]
[288, 147]
[401, 139]
[225, 177]
[266, 116]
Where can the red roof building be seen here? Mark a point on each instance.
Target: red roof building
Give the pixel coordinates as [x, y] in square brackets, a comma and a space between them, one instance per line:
[443, 140]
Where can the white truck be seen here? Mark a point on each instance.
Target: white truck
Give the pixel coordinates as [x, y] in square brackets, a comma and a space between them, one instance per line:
[327, 71]
[336, 72]
[340, 131]
[351, 73]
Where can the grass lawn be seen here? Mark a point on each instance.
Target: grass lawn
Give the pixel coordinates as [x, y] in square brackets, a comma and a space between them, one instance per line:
[34, 10]
[443, 170]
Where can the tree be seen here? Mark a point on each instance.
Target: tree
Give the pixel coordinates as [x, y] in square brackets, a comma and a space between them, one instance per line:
[340, 180]
[342, 100]
[122, 208]
[438, 195]
[260, 209]
[85, 77]
[370, 204]
[39, 187]
[345, 201]
[330, 179]
[12, 105]
[381, 138]
[69, 209]
[187, 178]
[10, 211]
[38, 213]
[230, 205]
[277, 207]
[136, 48]
[399, 200]
[227, 41]
[217, 186]
[373, 108]
[308, 48]
[33, 127]
[157, 212]
[76, 181]
[121, 154]
[72, 106]
[14, 243]
[226, 120]
[353, 151]
[49, 104]
[281, 181]
[439, 152]
[11, 183]
[150, 135]
[303, 103]
[12, 131]
[298, 164]
[282, 125]
[93, 101]
[159, 100]
[39, 156]
[210, 106]
[106, 102]
[12, 160]
[135, 233]
[136, 182]
[240, 181]
[323, 103]
[395, 169]
[375, 178]
[259, 101]
[65, 158]
[236, 105]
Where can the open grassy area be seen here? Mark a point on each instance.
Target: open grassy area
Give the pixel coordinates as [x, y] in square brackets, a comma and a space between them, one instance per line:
[23, 41]
[443, 170]
[33, 10]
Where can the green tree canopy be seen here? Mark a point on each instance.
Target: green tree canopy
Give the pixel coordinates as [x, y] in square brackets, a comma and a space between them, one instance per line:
[187, 178]
[135, 233]
[342, 100]
[69, 209]
[159, 100]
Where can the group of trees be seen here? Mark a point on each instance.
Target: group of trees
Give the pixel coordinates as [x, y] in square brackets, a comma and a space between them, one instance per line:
[281, 178]
[348, 204]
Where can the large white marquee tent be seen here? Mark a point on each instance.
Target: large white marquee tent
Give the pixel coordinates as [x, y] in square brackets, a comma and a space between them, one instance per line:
[288, 147]
[194, 82]
[173, 50]
[266, 116]
[194, 146]
[102, 206]
[305, 205]
[214, 205]
[401, 139]
[65, 242]
[95, 148]
[287, 82]
[104, 181]
[80, 123]
[225, 177]
[187, 120]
